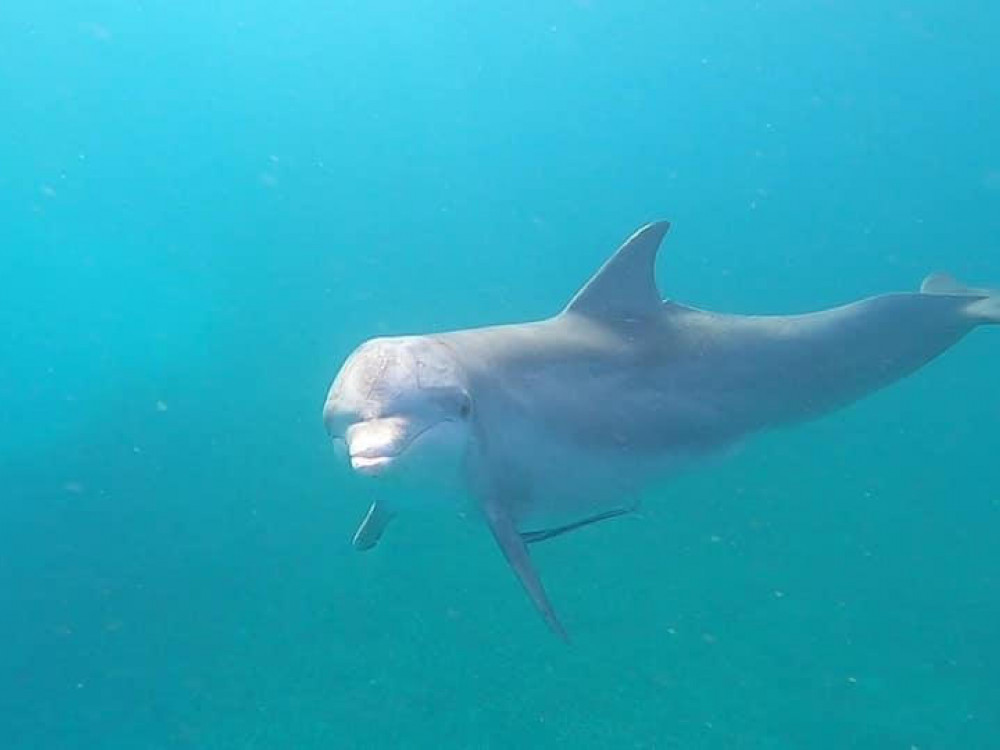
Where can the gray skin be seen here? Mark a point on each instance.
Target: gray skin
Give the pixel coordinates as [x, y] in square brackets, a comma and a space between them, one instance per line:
[559, 423]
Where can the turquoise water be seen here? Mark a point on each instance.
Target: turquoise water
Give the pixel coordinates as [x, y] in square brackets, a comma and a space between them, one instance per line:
[205, 206]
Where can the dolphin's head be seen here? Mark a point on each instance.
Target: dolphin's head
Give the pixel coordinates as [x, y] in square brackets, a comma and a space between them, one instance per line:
[401, 408]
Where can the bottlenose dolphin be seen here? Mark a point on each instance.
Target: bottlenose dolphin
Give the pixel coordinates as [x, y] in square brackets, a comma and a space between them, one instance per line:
[552, 425]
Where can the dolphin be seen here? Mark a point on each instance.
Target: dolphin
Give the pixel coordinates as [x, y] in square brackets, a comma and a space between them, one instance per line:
[545, 427]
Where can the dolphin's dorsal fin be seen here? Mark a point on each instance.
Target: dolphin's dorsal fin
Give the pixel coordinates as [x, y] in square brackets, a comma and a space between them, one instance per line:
[625, 286]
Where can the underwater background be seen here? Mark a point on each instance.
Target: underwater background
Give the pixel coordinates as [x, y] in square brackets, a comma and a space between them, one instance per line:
[205, 206]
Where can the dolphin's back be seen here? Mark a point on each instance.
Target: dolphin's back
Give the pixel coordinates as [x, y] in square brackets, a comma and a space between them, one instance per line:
[763, 371]
[692, 381]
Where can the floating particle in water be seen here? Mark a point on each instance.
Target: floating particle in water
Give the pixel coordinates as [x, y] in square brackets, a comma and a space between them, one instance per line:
[96, 31]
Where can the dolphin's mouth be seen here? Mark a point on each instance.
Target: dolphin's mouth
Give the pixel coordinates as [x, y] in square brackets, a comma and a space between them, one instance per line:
[374, 446]
[371, 465]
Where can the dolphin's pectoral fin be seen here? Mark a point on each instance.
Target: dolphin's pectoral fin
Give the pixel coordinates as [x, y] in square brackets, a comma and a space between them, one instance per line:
[530, 537]
[516, 552]
[371, 529]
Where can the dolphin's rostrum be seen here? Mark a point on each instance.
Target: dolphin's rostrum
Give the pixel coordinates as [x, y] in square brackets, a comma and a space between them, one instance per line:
[551, 425]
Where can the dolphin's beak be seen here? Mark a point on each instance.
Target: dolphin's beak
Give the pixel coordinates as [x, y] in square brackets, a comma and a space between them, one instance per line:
[374, 444]
[368, 444]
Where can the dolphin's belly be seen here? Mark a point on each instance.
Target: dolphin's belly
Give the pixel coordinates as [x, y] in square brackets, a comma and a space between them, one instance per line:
[570, 483]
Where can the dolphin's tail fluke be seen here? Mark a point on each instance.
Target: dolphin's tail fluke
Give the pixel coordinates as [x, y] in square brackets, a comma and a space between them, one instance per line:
[983, 306]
